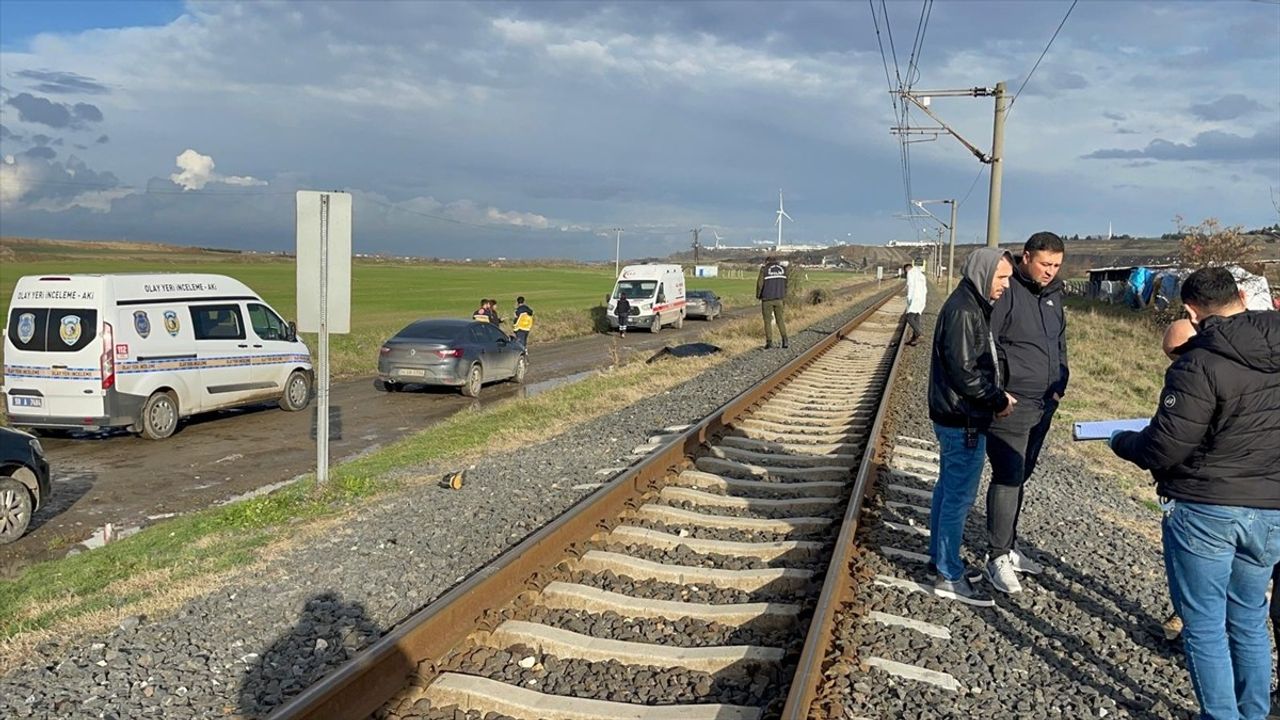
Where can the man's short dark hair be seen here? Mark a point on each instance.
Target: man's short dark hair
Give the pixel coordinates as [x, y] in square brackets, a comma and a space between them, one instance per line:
[1211, 288]
[520, 299]
[907, 266]
[1046, 241]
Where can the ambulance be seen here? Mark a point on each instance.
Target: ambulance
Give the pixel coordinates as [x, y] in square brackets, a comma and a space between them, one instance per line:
[656, 295]
[144, 351]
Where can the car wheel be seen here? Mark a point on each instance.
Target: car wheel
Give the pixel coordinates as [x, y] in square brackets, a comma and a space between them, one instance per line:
[159, 416]
[475, 378]
[297, 392]
[15, 509]
[522, 367]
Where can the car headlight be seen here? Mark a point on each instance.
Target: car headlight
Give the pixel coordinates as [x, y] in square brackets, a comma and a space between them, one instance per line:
[36, 447]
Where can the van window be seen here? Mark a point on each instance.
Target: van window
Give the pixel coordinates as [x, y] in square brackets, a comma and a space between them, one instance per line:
[52, 329]
[217, 322]
[266, 324]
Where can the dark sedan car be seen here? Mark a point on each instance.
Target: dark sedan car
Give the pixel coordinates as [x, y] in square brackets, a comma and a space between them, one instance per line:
[460, 353]
[702, 303]
[24, 482]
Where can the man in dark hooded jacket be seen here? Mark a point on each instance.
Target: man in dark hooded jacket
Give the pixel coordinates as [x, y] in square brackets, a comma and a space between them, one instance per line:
[965, 394]
[1214, 450]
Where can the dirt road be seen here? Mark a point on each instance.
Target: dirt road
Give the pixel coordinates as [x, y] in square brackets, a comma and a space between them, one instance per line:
[129, 482]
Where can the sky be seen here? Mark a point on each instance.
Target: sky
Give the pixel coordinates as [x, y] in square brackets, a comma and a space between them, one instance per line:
[531, 129]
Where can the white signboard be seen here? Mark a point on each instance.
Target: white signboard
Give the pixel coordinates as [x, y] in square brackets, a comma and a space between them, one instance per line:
[706, 271]
[324, 249]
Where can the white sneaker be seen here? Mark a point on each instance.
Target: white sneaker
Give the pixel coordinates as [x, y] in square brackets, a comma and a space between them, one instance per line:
[1001, 574]
[1024, 564]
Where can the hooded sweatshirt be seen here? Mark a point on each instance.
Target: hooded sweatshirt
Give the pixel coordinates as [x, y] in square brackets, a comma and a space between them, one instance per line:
[1215, 437]
[965, 387]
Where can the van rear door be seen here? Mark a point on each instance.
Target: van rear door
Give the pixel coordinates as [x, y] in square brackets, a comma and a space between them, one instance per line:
[54, 362]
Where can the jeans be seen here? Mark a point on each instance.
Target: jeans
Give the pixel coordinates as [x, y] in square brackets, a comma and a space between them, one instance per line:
[523, 337]
[1013, 449]
[1220, 561]
[953, 495]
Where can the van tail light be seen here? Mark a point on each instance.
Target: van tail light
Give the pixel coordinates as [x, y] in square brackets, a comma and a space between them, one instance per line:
[453, 353]
[107, 363]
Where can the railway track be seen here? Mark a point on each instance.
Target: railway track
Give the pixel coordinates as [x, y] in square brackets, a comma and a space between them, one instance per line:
[701, 583]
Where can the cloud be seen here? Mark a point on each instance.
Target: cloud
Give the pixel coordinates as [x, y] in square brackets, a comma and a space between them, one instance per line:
[7, 134]
[34, 182]
[1126, 131]
[63, 83]
[102, 140]
[1212, 145]
[1117, 116]
[43, 111]
[42, 151]
[196, 170]
[41, 139]
[1227, 107]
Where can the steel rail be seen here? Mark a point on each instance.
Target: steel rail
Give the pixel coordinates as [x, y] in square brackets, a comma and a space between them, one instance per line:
[362, 685]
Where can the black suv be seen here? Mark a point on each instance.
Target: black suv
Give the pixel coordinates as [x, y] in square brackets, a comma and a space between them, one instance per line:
[24, 482]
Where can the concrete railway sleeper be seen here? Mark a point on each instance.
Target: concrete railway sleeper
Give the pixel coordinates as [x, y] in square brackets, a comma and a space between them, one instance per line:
[695, 585]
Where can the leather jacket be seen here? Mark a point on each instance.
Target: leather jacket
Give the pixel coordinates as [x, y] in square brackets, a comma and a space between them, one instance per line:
[965, 387]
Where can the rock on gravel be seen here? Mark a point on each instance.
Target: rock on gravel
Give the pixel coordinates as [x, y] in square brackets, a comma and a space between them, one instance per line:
[246, 648]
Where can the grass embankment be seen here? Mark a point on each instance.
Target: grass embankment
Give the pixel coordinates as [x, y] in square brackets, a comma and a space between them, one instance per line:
[173, 561]
[386, 296]
[1117, 371]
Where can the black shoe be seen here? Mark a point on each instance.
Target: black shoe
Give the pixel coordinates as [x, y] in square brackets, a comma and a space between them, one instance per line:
[963, 591]
[913, 342]
[768, 346]
[784, 344]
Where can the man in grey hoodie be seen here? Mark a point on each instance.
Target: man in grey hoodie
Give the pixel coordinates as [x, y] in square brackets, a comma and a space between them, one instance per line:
[966, 393]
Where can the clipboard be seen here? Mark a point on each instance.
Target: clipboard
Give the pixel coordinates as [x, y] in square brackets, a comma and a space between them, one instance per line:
[1102, 429]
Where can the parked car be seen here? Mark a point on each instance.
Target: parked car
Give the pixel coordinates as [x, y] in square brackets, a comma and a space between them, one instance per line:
[460, 353]
[702, 303]
[24, 482]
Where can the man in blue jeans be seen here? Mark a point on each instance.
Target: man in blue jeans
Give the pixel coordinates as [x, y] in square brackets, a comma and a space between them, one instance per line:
[1214, 449]
[965, 394]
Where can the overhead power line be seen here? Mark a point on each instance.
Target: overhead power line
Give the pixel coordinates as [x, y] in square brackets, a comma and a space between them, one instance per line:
[1042, 54]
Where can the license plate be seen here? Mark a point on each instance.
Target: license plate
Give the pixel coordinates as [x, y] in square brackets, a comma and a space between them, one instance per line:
[25, 401]
[410, 372]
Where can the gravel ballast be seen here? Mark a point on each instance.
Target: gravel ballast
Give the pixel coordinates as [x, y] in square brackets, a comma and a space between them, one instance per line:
[243, 649]
[1083, 640]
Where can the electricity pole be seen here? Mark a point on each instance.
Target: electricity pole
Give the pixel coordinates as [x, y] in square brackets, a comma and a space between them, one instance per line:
[922, 98]
[696, 246]
[617, 249]
[951, 226]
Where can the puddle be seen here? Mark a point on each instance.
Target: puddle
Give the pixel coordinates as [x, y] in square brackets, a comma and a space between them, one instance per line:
[534, 389]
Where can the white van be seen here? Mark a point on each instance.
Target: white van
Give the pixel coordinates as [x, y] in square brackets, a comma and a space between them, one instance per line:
[656, 294]
[143, 351]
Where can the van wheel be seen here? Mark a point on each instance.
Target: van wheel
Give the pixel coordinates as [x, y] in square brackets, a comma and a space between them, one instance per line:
[656, 326]
[679, 323]
[475, 379]
[297, 392]
[159, 416]
[15, 509]
[522, 367]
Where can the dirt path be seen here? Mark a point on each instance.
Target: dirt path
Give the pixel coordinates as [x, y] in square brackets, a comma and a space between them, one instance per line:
[129, 482]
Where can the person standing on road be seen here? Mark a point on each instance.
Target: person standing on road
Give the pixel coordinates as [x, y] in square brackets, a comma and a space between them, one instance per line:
[482, 313]
[1213, 448]
[1030, 329]
[623, 310]
[492, 311]
[771, 291]
[523, 321]
[965, 394]
[917, 294]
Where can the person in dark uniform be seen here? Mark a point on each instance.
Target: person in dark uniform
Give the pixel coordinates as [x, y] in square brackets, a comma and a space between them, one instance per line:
[623, 310]
[771, 291]
[482, 313]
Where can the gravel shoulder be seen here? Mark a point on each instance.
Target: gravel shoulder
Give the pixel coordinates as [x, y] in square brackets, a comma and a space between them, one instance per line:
[244, 648]
[1083, 640]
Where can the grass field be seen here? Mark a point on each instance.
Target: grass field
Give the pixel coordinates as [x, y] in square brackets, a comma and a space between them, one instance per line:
[385, 296]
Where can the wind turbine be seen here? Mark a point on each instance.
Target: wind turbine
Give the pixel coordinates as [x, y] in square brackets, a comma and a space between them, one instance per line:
[781, 214]
[718, 238]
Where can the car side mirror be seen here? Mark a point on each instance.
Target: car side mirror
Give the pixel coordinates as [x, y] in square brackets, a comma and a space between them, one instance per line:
[292, 333]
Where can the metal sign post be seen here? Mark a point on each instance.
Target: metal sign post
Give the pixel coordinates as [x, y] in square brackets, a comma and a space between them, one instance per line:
[324, 291]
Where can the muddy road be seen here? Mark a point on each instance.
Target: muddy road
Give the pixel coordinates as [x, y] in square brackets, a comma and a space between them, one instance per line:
[129, 482]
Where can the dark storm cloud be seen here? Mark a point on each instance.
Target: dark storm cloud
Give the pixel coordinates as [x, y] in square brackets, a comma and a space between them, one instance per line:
[43, 111]
[1227, 107]
[1213, 145]
[102, 140]
[62, 83]
[42, 151]
[41, 139]
[87, 112]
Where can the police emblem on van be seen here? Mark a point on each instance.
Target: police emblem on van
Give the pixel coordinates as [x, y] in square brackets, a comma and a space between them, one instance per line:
[26, 327]
[171, 322]
[70, 330]
[141, 323]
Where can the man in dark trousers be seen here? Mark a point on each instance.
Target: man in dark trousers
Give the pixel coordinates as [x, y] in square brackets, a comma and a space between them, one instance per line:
[771, 291]
[965, 394]
[523, 321]
[1214, 450]
[622, 309]
[1031, 341]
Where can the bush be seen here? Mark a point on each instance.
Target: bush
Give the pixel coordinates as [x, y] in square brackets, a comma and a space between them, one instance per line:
[1210, 243]
[817, 296]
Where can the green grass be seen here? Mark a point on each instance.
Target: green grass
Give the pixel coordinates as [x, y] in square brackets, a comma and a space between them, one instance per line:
[387, 296]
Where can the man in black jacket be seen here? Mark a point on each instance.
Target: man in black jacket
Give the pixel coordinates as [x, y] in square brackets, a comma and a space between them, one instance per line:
[771, 291]
[1214, 450]
[1031, 341]
[965, 394]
